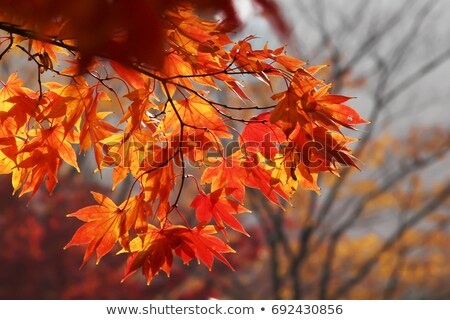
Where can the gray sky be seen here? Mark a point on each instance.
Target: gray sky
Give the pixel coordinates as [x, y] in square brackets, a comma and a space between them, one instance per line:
[426, 102]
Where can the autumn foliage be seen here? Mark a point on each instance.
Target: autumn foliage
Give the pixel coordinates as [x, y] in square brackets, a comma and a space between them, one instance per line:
[151, 112]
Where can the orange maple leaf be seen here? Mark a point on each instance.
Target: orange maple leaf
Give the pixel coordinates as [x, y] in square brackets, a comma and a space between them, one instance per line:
[42, 156]
[235, 172]
[95, 129]
[105, 224]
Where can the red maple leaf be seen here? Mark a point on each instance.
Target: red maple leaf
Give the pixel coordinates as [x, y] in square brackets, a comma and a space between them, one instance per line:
[220, 208]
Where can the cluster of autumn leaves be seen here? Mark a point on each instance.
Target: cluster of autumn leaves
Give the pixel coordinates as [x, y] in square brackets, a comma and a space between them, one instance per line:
[169, 120]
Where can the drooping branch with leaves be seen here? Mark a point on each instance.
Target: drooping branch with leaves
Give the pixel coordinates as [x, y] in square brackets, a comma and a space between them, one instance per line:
[154, 118]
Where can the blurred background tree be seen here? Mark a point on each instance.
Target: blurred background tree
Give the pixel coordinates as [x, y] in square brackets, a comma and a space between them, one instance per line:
[382, 233]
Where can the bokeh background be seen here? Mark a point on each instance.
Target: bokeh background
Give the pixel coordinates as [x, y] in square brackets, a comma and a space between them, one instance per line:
[379, 233]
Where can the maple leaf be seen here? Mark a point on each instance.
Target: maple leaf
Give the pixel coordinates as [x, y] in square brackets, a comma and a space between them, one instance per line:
[128, 151]
[137, 111]
[105, 224]
[77, 97]
[202, 127]
[10, 144]
[262, 137]
[37, 167]
[196, 113]
[13, 87]
[157, 174]
[308, 106]
[294, 102]
[135, 79]
[154, 252]
[43, 154]
[95, 129]
[220, 208]
[56, 141]
[198, 145]
[206, 246]
[333, 149]
[235, 172]
[18, 103]
[226, 175]
[24, 107]
[291, 173]
[136, 218]
[47, 53]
